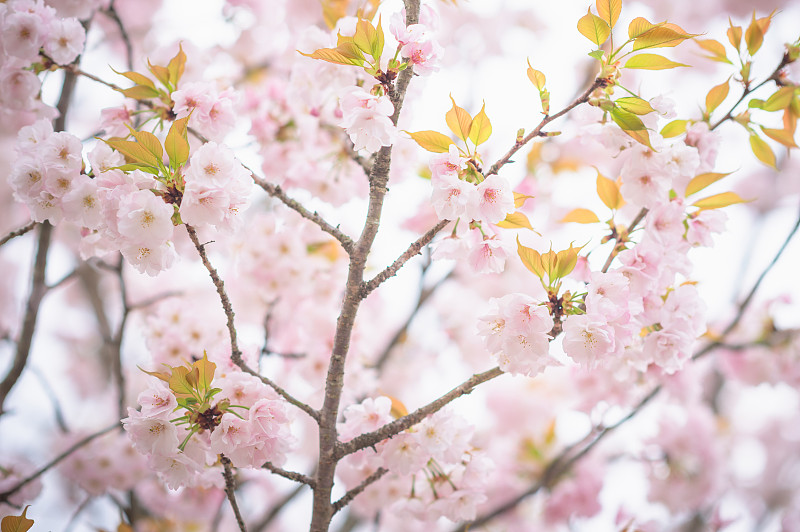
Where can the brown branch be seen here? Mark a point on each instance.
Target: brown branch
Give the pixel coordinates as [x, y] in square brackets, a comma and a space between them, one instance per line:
[37, 292]
[126, 40]
[583, 98]
[351, 494]
[413, 250]
[276, 509]
[236, 353]
[230, 490]
[291, 475]
[18, 232]
[4, 496]
[615, 251]
[277, 192]
[398, 425]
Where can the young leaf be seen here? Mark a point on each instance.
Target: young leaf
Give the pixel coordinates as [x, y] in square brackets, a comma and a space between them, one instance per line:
[549, 264]
[762, 151]
[647, 35]
[176, 66]
[531, 259]
[632, 125]
[608, 191]
[734, 35]
[179, 382]
[581, 216]
[594, 28]
[133, 151]
[139, 79]
[717, 201]
[674, 128]
[149, 142]
[715, 48]
[205, 369]
[519, 199]
[377, 44]
[634, 104]
[717, 95]
[609, 11]
[459, 121]
[515, 220]
[16, 523]
[781, 136]
[701, 181]
[161, 73]
[140, 92]
[779, 100]
[537, 78]
[481, 128]
[365, 36]
[346, 53]
[177, 143]
[754, 36]
[566, 261]
[157, 374]
[652, 62]
[639, 26]
[432, 141]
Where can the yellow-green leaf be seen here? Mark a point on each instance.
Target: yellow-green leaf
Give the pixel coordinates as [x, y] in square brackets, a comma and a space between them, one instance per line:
[762, 151]
[346, 53]
[177, 143]
[176, 66]
[608, 191]
[734, 34]
[481, 128]
[459, 121]
[515, 220]
[520, 199]
[717, 95]
[701, 181]
[566, 261]
[537, 78]
[16, 523]
[549, 264]
[140, 92]
[715, 48]
[780, 99]
[581, 216]
[432, 141]
[594, 28]
[531, 259]
[662, 35]
[632, 125]
[139, 79]
[781, 135]
[332, 11]
[717, 201]
[754, 36]
[205, 369]
[634, 104]
[652, 62]
[179, 382]
[365, 36]
[674, 128]
[133, 151]
[148, 141]
[164, 376]
[377, 44]
[639, 26]
[161, 73]
[609, 10]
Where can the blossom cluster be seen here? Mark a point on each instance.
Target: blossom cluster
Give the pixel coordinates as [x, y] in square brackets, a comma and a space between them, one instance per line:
[435, 470]
[32, 32]
[184, 457]
[416, 40]
[365, 117]
[213, 112]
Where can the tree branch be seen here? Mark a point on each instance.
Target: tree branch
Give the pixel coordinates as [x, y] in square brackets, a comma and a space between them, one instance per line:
[236, 353]
[275, 510]
[230, 490]
[18, 232]
[412, 251]
[291, 475]
[398, 425]
[351, 494]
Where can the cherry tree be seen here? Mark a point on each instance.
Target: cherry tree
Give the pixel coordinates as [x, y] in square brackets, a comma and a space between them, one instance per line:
[325, 268]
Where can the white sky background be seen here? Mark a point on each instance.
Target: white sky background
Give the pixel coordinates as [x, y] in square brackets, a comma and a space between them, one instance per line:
[558, 50]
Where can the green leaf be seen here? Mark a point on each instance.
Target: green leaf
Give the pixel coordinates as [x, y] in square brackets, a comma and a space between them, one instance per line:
[177, 143]
[161, 73]
[365, 36]
[132, 166]
[139, 79]
[634, 104]
[609, 11]
[652, 62]
[481, 128]
[346, 53]
[140, 92]
[515, 220]
[581, 216]
[674, 128]
[566, 261]
[701, 181]
[377, 45]
[432, 141]
[648, 35]
[179, 382]
[176, 66]
[597, 54]
[594, 28]
[632, 125]
[149, 142]
[133, 151]
[762, 151]
[780, 99]
[16, 523]
[459, 121]
[718, 201]
[531, 259]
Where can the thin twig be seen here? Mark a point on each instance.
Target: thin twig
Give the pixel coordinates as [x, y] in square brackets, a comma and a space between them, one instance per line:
[615, 250]
[277, 192]
[18, 232]
[397, 426]
[413, 250]
[236, 354]
[230, 490]
[4, 496]
[351, 494]
[50, 393]
[155, 299]
[275, 510]
[126, 40]
[291, 475]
